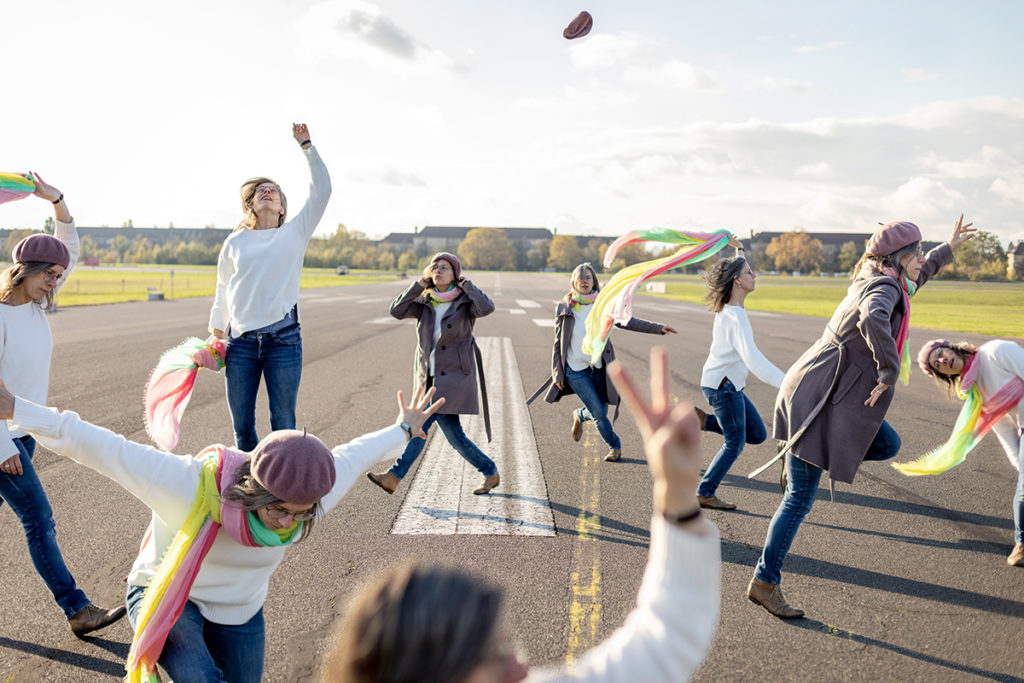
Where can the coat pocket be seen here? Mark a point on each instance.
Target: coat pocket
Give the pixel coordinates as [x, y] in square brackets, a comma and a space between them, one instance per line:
[846, 382]
[466, 359]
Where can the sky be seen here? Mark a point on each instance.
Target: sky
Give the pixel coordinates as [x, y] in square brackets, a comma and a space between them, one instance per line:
[744, 115]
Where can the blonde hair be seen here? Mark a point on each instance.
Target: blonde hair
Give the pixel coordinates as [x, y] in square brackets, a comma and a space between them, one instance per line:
[248, 193]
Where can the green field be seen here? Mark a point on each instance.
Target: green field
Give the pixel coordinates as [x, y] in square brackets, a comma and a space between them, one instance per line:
[89, 285]
[995, 309]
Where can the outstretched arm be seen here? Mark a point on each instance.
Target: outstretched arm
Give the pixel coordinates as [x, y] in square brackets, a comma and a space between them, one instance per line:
[312, 211]
[64, 230]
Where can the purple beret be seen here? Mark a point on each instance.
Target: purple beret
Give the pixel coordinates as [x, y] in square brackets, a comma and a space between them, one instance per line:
[40, 248]
[294, 466]
[890, 238]
[452, 259]
[579, 26]
[926, 351]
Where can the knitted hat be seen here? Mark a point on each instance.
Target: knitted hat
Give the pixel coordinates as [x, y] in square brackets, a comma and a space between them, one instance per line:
[294, 466]
[452, 259]
[41, 248]
[926, 351]
[890, 238]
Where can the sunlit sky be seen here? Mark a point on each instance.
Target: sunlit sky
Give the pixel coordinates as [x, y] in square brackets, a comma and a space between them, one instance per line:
[743, 115]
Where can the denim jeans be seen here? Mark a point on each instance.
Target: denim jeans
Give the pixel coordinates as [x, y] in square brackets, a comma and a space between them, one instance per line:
[451, 427]
[277, 356]
[25, 494]
[737, 420]
[200, 650]
[1018, 498]
[589, 385]
[798, 499]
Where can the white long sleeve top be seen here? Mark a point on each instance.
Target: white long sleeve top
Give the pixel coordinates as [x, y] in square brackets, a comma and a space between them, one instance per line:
[1000, 361]
[733, 353]
[666, 636]
[258, 271]
[232, 583]
[26, 345]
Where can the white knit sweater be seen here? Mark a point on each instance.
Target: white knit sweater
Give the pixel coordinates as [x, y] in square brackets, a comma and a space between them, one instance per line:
[1000, 361]
[733, 352]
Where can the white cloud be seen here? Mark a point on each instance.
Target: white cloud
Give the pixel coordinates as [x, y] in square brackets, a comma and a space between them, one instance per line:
[922, 197]
[916, 75]
[1008, 190]
[833, 45]
[609, 49]
[789, 84]
[673, 74]
[820, 169]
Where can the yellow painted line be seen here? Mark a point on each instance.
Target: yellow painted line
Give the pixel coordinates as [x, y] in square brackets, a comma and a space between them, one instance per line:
[585, 608]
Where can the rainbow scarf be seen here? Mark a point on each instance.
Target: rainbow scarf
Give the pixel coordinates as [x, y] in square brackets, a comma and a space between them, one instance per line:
[577, 301]
[444, 297]
[909, 289]
[975, 420]
[614, 303]
[170, 387]
[15, 186]
[168, 590]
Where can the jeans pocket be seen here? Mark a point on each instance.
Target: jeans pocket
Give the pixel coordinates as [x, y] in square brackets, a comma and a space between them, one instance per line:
[289, 336]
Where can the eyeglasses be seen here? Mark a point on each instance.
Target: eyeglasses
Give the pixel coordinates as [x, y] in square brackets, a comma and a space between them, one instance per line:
[51, 275]
[272, 189]
[276, 512]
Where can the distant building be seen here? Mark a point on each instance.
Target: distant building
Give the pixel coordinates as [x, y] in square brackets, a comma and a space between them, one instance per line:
[434, 238]
[103, 236]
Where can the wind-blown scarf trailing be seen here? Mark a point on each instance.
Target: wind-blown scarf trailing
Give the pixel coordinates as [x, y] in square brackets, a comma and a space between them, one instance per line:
[168, 590]
[444, 297]
[975, 420]
[614, 302]
[909, 289]
[15, 186]
[170, 387]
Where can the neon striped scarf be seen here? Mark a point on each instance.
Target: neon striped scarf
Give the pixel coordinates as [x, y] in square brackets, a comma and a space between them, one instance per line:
[975, 420]
[909, 289]
[169, 388]
[15, 186]
[168, 590]
[614, 303]
[577, 301]
[444, 297]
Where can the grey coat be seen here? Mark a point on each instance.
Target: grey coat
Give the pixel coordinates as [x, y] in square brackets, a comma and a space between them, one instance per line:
[457, 357]
[565, 321]
[820, 411]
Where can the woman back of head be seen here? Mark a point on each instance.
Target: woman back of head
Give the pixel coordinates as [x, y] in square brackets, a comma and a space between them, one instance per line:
[248, 193]
[888, 245]
[719, 280]
[417, 624]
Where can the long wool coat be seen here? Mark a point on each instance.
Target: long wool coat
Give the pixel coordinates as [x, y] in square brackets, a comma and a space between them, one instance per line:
[820, 411]
[456, 356]
[565, 321]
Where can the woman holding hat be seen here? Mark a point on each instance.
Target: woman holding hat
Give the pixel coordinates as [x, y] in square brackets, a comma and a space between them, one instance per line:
[990, 379]
[446, 306]
[831, 406]
[221, 523]
[256, 305]
[41, 266]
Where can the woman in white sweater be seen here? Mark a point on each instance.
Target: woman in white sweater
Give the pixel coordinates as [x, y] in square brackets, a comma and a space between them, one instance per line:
[422, 624]
[41, 266]
[222, 521]
[733, 354]
[256, 305]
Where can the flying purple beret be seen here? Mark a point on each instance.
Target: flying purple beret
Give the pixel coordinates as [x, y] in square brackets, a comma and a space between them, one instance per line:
[41, 248]
[890, 238]
[578, 27]
[294, 466]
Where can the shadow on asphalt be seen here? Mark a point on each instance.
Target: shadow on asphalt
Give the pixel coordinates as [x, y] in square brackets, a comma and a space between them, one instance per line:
[812, 625]
[87, 662]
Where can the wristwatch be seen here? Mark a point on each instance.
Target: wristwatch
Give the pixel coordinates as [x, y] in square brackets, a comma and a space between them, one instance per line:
[407, 429]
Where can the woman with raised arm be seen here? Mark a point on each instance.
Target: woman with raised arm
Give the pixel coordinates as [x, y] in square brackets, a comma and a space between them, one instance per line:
[424, 624]
[573, 371]
[27, 289]
[195, 596]
[830, 411]
[446, 306]
[733, 354]
[256, 305]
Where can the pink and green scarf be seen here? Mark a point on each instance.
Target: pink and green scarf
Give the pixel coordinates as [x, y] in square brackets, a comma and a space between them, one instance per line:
[444, 297]
[975, 420]
[909, 289]
[577, 301]
[169, 388]
[15, 186]
[168, 590]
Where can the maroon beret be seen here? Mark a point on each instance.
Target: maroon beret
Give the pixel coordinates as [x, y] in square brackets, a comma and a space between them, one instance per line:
[925, 353]
[294, 466]
[40, 248]
[578, 27]
[890, 238]
[452, 260]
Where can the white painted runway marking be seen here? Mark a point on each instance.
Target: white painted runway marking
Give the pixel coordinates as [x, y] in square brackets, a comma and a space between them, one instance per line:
[527, 303]
[386, 302]
[325, 299]
[386, 320]
[544, 322]
[517, 311]
[440, 499]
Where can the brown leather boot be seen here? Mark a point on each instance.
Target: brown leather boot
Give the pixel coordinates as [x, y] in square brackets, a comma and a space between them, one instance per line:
[613, 454]
[488, 484]
[715, 503]
[1016, 558]
[385, 480]
[702, 416]
[769, 596]
[92, 618]
[577, 427]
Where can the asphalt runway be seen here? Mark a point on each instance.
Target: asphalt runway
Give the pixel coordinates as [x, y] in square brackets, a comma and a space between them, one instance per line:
[901, 578]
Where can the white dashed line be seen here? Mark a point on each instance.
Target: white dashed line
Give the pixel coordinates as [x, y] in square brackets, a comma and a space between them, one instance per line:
[544, 322]
[527, 303]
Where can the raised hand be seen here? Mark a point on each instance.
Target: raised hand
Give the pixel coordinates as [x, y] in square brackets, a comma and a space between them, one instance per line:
[416, 413]
[43, 189]
[301, 132]
[961, 233]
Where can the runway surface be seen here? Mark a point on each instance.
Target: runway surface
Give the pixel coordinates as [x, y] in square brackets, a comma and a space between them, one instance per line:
[901, 578]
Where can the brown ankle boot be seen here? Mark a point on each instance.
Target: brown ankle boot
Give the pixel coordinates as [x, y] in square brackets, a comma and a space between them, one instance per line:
[1016, 558]
[701, 418]
[488, 483]
[769, 596]
[92, 618]
[577, 427]
[385, 480]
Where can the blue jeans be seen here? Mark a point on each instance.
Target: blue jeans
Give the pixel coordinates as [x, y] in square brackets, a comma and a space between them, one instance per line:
[277, 356]
[1018, 499]
[737, 420]
[451, 427]
[589, 385]
[200, 650]
[25, 494]
[798, 499]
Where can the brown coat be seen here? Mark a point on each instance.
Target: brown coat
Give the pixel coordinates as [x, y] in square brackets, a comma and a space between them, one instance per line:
[565, 321]
[457, 356]
[820, 411]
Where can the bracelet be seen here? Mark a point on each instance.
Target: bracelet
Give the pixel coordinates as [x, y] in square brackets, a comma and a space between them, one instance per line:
[303, 144]
[59, 199]
[682, 519]
[407, 429]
